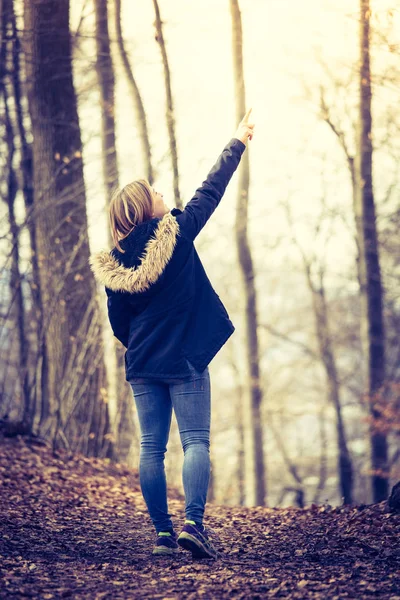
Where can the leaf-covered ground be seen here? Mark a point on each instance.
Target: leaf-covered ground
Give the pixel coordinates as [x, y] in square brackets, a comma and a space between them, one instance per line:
[73, 527]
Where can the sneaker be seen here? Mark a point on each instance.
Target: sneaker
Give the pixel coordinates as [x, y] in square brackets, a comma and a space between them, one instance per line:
[166, 543]
[194, 537]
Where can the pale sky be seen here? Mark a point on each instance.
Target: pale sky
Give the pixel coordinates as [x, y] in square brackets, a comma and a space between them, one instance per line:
[292, 155]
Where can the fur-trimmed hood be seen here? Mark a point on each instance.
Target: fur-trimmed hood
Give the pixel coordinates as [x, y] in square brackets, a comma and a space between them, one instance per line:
[113, 274]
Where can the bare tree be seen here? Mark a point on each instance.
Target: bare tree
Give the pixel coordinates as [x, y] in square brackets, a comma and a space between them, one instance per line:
[372, 331]
[170, 105]
[120, 396]
[371, 285]
[105, 74]
[137, 99]
[10, 176]
[326, 353]
[239, 422]
[25, 177]
[255, 445]
[74, 375]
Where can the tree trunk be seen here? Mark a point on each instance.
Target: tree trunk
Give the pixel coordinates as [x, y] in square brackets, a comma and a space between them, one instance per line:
[241, 475]
[105, 74]
[255, 445]
[74, 402]
[239, 424]
[6, 58]
[137, 100]
[345, 467]
[368, 270]
[25, 183]
[17, 299]
[170, 106]
[119, 396]
[373, 333]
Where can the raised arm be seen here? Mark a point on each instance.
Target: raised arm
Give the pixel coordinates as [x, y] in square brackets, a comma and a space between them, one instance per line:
[207, 197]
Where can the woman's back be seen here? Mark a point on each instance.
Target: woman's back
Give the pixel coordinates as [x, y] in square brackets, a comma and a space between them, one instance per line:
[161, 304]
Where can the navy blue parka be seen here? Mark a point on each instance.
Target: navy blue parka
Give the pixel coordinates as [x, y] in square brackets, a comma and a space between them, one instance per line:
[161, 304]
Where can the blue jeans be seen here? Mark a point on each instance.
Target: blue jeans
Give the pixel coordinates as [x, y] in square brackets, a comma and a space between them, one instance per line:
[191, 400]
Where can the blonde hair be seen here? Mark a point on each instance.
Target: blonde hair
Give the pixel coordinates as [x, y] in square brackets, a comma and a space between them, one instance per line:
[130, 206]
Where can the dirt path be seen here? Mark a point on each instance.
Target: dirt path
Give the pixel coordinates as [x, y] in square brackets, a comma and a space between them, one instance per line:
[78, 528]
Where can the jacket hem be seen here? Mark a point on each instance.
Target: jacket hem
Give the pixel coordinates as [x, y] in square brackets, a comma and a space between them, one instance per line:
[199, 364]
[129, 374]
[206, 357]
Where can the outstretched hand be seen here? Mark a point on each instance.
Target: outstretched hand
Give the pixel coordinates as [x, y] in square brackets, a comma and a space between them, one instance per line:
[245, 129]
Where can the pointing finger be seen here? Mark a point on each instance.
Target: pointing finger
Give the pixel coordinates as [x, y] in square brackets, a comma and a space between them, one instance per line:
[247, 115]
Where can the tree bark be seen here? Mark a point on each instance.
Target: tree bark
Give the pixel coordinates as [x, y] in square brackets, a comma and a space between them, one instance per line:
[373, 334]
[74, 405]
[255, 444]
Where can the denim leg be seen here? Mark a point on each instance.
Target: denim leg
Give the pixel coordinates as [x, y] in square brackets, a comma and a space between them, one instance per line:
[191, 401]
[154, 409]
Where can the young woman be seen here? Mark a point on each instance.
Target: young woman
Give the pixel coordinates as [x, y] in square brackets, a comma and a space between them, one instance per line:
[163, 308]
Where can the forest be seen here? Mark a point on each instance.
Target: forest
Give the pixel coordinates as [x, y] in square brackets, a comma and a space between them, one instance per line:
[304, 248]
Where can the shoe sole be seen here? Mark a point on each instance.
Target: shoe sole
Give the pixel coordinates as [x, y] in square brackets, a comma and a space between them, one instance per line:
[197, 548]
[163, 550]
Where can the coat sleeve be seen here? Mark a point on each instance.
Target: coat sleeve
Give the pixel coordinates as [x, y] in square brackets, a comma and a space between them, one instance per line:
[119, 315]
[207, 197]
